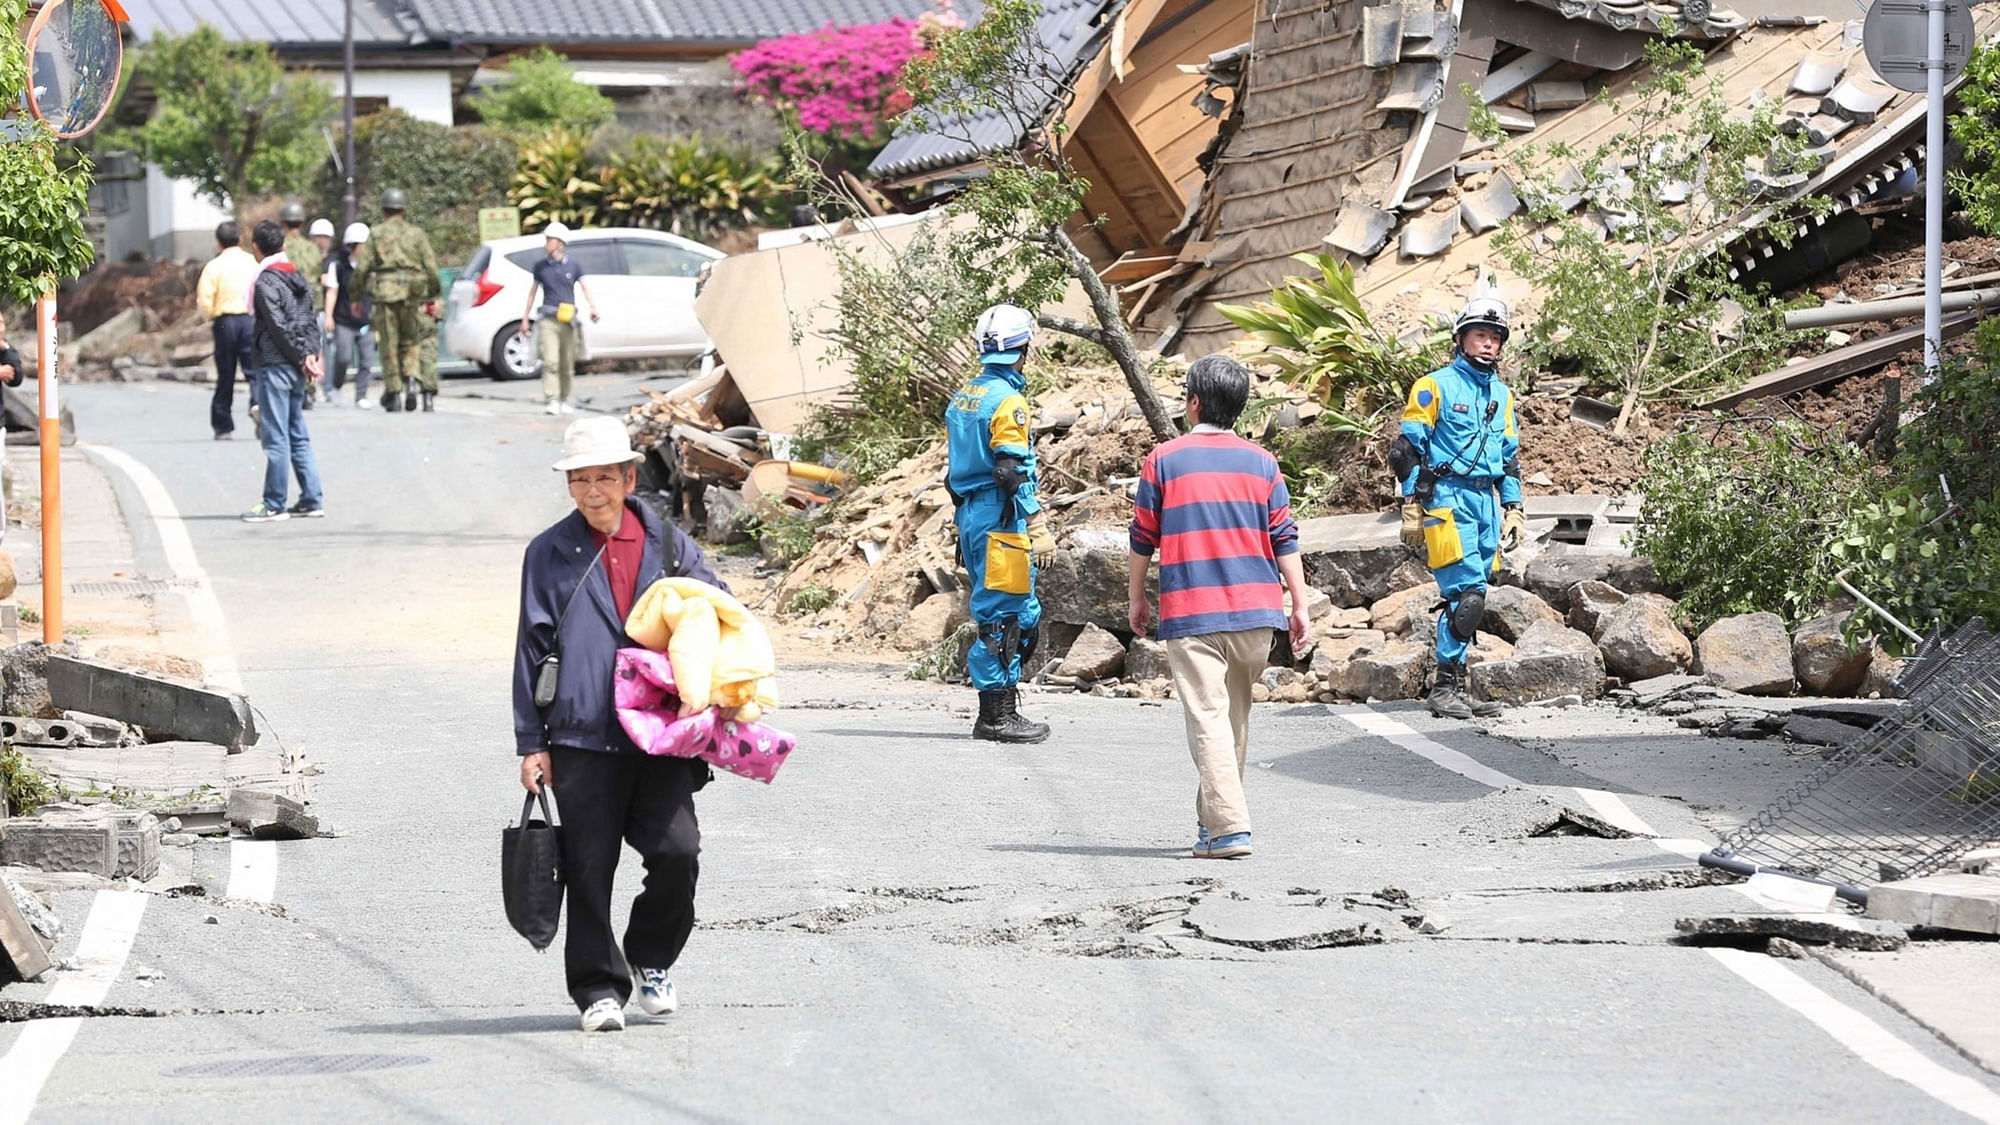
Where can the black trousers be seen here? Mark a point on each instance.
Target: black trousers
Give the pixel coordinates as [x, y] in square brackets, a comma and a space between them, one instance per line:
[232, 335]
[607, 800]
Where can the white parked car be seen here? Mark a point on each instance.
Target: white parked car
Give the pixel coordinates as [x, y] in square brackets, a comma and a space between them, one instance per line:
[643, 282]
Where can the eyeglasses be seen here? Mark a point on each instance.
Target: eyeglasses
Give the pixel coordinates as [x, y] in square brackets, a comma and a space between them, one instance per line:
[603, 481]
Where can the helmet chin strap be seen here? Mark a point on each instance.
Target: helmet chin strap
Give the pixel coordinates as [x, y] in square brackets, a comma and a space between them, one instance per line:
[1482, 364]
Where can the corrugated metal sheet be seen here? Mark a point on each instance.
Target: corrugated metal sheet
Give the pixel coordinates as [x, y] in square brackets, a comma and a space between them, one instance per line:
[1071, 30]
[292, 23]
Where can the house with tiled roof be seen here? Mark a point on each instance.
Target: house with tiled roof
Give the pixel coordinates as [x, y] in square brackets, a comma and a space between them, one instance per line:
[425, 56]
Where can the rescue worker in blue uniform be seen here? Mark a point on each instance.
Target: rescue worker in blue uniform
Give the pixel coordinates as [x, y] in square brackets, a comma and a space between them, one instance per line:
[1458, 463]
[1003, 536]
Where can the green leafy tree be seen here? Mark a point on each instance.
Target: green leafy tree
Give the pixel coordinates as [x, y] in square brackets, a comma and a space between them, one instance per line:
[230, 119]
[1633, 289]
[449, 174]
[541, 94]
[1748, 525]
[999, 68]
[1977, 131]
[42, 191]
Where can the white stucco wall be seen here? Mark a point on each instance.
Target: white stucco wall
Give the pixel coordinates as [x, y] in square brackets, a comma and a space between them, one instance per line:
[423, 94]
[182, 225]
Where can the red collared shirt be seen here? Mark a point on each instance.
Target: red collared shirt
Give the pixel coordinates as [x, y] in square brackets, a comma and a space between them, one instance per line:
[623, 551]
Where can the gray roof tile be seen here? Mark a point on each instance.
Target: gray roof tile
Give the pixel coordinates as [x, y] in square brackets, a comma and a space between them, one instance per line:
[292, 23]
[1071, 31]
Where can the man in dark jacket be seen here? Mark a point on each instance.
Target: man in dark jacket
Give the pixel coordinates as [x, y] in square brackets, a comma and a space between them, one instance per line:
[284, 359]
[578, 582]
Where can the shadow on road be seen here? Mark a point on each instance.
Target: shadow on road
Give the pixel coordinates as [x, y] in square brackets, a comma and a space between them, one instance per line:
[1093, 849]
[491, 1025]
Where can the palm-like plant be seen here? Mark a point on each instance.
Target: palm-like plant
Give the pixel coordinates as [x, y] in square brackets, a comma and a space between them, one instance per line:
[555, 182]
[1322, 341]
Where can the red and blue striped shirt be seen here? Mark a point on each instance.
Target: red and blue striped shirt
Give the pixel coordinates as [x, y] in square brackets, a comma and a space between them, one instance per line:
[1216, 509]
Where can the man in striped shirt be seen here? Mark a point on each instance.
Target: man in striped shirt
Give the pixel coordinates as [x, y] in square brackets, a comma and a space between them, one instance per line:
[1216, 509]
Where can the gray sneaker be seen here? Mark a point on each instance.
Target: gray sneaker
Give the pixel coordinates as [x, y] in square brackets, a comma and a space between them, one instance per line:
[264, 513]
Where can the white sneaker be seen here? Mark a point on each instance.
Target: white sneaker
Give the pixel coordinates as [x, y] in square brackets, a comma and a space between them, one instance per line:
[605, 1015]
[567, 406]
[552, 407]
[364, 403]
[655, 994]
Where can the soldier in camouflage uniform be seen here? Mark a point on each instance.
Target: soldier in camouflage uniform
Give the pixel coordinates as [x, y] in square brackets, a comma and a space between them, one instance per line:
[398, 270]
[306, 256]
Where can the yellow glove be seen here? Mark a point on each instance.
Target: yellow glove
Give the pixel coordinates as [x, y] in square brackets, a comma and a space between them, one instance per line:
[1041, 541]
[1513, 529]
[1413, 525]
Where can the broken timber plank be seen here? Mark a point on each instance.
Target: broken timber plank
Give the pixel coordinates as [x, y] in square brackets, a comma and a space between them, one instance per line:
[1839, 363]
[19, 943]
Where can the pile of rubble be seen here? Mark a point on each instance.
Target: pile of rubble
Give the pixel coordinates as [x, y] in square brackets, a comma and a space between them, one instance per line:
[140, 759]
[137, 321]
[1563, 626]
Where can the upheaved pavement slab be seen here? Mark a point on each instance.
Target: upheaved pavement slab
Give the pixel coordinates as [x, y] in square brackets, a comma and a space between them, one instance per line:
[1952, 901]
[1951, 987]
[1276, 925]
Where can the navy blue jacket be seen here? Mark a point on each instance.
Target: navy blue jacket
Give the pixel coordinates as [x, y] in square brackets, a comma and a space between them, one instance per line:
[582, 716]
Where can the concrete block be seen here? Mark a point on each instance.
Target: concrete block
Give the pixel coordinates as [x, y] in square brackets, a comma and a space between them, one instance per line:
[89, 846]
[175, 710]
[270, 816]
[1950, 901]
[138, 845]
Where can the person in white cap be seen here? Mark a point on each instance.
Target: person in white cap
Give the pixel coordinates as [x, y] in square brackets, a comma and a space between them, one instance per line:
[558, 281]
[578, 582]
[346, 321]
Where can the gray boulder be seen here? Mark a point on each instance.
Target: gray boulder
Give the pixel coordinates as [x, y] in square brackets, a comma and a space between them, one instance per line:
[929, 623]
[1085, 585]
[1397, 672]
[1640, 641]
[1822, 661]
[724, 509]
[1749, 653]
[1096, 655]
[1145, 660]
[1392, 615]
[24, 679]
[1535, 678]
[1883, 669]
[1551, 576]
[1589, 602]
[1549, 638]
[1512, 611]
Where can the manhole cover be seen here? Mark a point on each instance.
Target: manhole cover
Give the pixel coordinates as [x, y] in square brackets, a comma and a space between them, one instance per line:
[126, 588]
[288, 1066]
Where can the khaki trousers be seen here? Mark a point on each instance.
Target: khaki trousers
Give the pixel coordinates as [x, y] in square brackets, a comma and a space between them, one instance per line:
[1212, 675]
[555, 343]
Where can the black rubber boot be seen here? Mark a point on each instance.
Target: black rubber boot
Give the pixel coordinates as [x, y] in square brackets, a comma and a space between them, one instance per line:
[410, 401]
[1014, 713]
[430, 401]
[999, 722]
[392, 402]
[1448, 699]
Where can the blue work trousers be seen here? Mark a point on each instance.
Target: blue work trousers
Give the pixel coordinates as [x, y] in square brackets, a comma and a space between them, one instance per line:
[995, 553]
[1462, 538]
[287, 446]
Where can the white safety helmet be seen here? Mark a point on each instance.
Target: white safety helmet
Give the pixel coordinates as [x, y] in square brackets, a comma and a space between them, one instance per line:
[357, 233]
[1482, 312]
[557, 231]
[321, 227]
[1003, 334]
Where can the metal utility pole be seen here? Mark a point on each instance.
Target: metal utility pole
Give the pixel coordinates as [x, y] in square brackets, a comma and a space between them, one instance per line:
[349, 206]
[1934, 70]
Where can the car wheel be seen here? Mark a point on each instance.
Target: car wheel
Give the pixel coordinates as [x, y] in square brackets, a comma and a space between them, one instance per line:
[513, 355]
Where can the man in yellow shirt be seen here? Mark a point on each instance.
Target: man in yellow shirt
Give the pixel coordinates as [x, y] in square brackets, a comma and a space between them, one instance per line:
[224, 298]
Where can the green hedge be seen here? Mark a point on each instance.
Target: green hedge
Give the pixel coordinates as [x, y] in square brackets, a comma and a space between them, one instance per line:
[449, 174]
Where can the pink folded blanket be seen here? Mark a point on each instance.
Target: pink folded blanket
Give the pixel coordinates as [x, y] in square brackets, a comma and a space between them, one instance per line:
[649, 710]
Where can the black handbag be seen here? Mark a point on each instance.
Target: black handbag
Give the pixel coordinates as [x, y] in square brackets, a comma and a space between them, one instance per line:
[531, 875]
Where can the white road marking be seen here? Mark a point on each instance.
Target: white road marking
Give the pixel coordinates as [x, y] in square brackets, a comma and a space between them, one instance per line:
[253, 870]
[1870, 1041]
[215, 652]
[107, 939]
[1383, 726]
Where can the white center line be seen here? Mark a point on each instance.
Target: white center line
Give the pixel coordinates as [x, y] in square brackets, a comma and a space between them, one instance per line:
[107, 939]
[253, 870]
[1870, 1041]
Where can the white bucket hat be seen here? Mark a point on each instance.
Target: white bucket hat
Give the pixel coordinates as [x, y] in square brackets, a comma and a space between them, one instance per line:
[557, 231]
[596, 441]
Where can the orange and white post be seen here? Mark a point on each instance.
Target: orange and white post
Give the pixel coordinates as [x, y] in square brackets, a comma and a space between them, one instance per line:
[51, 441]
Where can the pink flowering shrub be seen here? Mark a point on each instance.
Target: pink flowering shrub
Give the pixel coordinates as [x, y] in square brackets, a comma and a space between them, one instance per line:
[844, 83]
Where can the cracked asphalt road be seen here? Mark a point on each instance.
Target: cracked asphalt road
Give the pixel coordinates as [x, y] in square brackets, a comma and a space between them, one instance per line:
[908, 925]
